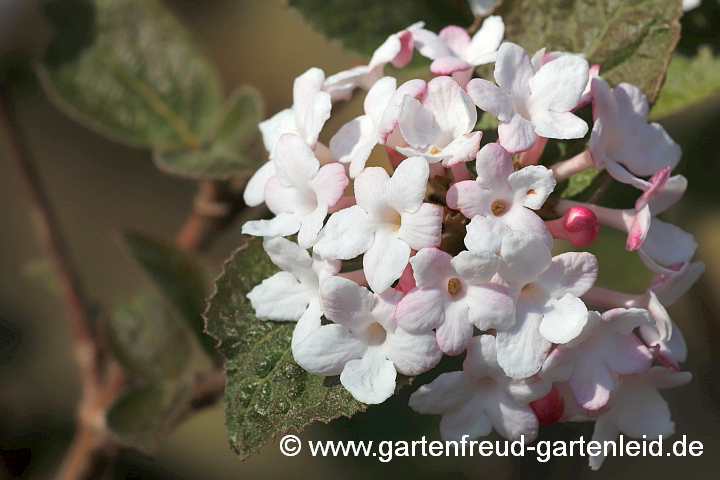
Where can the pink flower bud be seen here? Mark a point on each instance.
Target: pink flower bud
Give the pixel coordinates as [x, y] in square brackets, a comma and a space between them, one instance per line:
[550, 408]
[579, 225]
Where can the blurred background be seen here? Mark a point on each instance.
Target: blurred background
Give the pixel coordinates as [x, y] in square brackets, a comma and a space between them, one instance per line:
[100, 188]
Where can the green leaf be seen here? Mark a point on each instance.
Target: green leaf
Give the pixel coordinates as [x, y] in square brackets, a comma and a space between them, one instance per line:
[180, 278]
[138, 77]
[363, 25]
[689, 82]
[236, 145]
[148, 338]
[267, 392]
[141, 417]
[632, 40]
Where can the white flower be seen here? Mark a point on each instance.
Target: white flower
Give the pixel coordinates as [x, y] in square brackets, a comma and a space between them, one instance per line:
[453, 295]
[690, 4]
[529, 103]
[548, 306]
[480, 397]
[440, 126]
[453, 51]
[310, 110]
[501, 200]
[294, 293]
[364, 346]
[356, 139]
[605, 347]
[300, 193]
[638, 410]
[542, 57]
[622, 140]
[388, 221]
[397, 49]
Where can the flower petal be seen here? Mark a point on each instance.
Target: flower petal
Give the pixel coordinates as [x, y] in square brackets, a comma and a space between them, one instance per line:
[371, 379]
[455, 332]
[422, 309]
[348, 233]
[449, 391]
[327, 350]
[347, 303]
[570, 273]
[281, 297]
[422, 228]
[412, 353]
[491, 307]
[385, 260]
[516, 135]
[524, 258]
[532, 185]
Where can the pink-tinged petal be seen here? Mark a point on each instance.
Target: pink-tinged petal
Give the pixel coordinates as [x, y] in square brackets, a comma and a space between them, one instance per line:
[282, 225]
[417, 124]
[491, 307]
[491, 99]
[627, 355]
[481, 360]
[347, 303]
[470, 198]
[422, 309]
[468, 420]
[663, 322]
[311, 225]
[591, 384]
[558, 86]
[348, 233]
[432, 266]
[603, 101]
[521, 350]
[388, 121]
[564, 319]
[559, 125]
[371, 379]
[328, 349]
[385, 304]
[579, 226]
[305, 86]
[379, 97]
[669, 196]
[648, 150]
[308, 322]
[429, 44]
[274, 127]
[281, 297]
[461, 150]
[524, 258]
[516, 135]
[618, 172]
[571, 272]
[532, 185]
[485, 234]
[668, 244]
[451, 108]
[330, 184]
[485, 43]
[412, 353]
[550, 408]
[456, 38]
[520, 219]
[494, 166]
[624, 320]
[527, 390]
[406, 189]
[462, 77]
[385, 260]
[657, 185]
[456, 331]
[476, 268]
[422, 228]
[512, 421]
[370, 188]
[448, 392]
[406, 281]
[386, 52]
[587, 93]
[407, 44]
[254, 193]
[672, 289]
[639, 229]
[449, 65]
[513, 70]
[671, 352]
[354, 142]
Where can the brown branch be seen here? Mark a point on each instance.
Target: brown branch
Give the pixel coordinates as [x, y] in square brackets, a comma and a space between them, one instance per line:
[215, 207]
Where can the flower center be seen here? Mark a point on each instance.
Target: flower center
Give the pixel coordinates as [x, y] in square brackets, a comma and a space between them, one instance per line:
[375, 334]
[498, 207]
[454, 286]
[435, 150]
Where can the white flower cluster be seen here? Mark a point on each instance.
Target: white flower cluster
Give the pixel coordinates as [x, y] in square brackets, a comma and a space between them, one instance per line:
[537, 351]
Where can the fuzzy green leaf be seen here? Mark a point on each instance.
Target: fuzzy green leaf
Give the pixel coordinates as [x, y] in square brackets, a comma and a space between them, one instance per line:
[689, 82]
[140, 418]
[179, 276]
[363, 25]
[148, 338]
[236, 146]
[267, 392]
[632, 40]
[136, 76]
